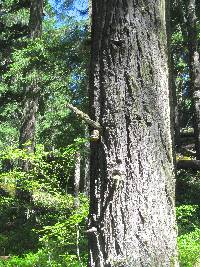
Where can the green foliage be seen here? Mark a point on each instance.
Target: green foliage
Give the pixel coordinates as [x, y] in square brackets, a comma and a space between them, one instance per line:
[188, 218]
[189, 249]
[8, 134]
[189, 235]
[16, 235]
[28, 261]
[49, 170]
[188, 188]
[68, 236]
[42, 259]
[62, 242]
[58, 61]
[48, 225]
[45, 231]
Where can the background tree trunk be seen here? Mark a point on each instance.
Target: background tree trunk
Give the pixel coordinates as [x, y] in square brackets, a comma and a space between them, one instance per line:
[86, 166]
[27, 130]
[77, 178]
[176, 106]
[132, 215]
[194, 65]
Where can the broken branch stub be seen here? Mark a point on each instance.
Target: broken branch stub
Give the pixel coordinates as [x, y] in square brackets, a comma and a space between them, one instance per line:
[84, 117]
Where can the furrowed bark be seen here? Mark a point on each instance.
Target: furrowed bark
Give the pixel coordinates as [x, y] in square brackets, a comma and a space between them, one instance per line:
[132, 215]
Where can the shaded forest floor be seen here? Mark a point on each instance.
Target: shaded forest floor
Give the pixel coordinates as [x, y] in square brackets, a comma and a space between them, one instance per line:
[47, 230]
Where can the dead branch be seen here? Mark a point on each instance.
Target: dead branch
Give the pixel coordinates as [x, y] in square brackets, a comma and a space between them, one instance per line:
[84, 117]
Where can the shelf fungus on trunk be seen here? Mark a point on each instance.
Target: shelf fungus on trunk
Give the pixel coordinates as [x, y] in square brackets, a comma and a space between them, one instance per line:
[95, 135]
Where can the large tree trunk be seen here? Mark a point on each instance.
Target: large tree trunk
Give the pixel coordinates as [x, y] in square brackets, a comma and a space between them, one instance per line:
[194, 65]
[132, 215]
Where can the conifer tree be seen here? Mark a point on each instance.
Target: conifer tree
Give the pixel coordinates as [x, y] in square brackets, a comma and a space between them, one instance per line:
[132, 214]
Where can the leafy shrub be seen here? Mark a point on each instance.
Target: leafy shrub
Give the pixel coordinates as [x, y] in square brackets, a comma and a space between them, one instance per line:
[46, 231]
[68, 236]
[188, 188]
[189, 249]
[188, 218]
[41, 259]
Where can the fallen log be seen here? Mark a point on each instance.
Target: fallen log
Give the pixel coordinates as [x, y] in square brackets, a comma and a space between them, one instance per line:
[188, 165]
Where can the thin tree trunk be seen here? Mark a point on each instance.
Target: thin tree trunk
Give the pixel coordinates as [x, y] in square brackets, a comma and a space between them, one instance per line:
[85, 170]
[86, 187]
[176, 107]
[196, 97]
[194, 65]
[132, 215]
[77, 178]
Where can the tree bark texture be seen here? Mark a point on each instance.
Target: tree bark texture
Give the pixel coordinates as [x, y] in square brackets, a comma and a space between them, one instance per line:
[194, 65]
[132, 215]
[27, 131]
[36, 18]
